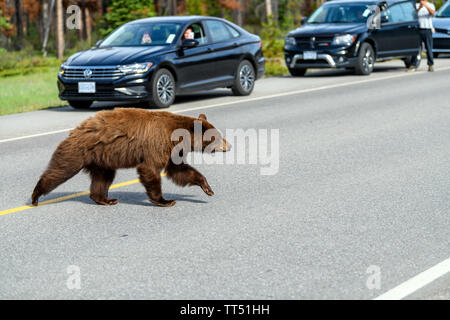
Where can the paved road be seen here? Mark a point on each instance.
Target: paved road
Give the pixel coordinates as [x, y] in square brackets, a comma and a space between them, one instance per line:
[362, 191]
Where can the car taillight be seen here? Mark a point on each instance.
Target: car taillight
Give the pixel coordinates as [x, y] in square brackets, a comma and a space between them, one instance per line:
[260, 45]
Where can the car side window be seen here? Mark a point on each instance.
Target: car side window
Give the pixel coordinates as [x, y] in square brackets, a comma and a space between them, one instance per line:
[395, 14]
[199, 33]
[409, 11]
[218, 31]
[233, 31]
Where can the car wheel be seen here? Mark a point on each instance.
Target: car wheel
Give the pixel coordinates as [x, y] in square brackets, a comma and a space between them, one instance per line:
[414, 61]
[366, 60]
[297, 72]
[245, 79]
[435, 55]
[80, 104]
[163, 89]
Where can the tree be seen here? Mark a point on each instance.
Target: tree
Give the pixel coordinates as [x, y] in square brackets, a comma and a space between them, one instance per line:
[123, 11]
[59, 29]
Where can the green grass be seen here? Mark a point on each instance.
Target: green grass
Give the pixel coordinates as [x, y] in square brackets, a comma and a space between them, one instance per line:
[35, 91]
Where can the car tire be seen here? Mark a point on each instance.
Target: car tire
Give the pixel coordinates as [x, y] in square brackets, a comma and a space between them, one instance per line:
[414, 61]
[163, 89]
[80, 104]
[297, 72]
[244, 81]
[435, 55]
[366, 60]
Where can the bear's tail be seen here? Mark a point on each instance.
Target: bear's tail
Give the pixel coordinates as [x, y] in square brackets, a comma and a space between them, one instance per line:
[65, 163]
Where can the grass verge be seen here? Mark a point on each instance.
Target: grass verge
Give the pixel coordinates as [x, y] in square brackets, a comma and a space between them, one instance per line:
[30, 92]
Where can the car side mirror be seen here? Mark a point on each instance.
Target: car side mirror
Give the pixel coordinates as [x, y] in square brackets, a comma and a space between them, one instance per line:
[303, 20]
[99, 42]
[189, 43]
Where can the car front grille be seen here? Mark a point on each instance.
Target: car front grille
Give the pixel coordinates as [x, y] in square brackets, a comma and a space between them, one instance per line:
[314, 42]
[92, 73]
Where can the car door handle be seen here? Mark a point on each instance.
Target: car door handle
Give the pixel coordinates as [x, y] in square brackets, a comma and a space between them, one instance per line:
[235, 44]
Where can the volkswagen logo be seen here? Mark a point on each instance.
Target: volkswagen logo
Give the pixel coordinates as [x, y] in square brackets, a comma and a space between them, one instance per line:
[87, 73]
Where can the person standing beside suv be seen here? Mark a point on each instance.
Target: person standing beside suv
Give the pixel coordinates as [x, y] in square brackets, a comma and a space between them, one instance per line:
[425, 11]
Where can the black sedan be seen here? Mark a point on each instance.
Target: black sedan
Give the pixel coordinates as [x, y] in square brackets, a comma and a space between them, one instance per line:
[441, 36]
[154, 59]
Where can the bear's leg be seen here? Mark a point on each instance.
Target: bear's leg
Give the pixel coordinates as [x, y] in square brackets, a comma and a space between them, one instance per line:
[185, 175]
[101, 180]
[152, 183]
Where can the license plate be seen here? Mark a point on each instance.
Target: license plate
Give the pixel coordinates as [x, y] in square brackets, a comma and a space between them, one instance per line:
[309, 55]
[86, 87]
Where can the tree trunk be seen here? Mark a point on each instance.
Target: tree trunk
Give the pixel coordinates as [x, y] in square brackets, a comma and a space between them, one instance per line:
[19, 24]
[59, 29]
[88, 25]
[269, 9]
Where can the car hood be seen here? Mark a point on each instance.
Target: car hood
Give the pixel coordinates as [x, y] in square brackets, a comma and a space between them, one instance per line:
[114, 56]
[328, 29]
[441, 23]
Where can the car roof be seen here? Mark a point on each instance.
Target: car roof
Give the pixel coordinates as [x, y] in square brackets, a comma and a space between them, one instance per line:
[389, 2]
[179, 19]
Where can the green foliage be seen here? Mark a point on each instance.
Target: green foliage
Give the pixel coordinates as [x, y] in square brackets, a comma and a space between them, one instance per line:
[195, 7]
[275, 68]
[4, 22]
[123, 11]
[272, 40]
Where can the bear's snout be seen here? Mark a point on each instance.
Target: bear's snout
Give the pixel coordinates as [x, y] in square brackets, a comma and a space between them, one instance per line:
[226, 146]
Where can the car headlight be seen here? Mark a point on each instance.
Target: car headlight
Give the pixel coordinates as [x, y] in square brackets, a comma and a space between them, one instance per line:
[62, 68]
[346, 39]
[290, 41]
[135, 68]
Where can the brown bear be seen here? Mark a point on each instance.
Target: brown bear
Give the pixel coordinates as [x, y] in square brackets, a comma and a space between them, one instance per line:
[128, 138]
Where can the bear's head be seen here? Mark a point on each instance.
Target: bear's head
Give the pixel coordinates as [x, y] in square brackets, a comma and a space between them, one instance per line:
[206, 138]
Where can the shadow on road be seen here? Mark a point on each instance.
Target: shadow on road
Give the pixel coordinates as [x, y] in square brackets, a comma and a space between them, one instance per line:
[183, 98]
[127, 197]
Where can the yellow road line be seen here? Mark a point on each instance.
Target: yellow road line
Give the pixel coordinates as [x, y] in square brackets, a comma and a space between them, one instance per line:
[70, 196]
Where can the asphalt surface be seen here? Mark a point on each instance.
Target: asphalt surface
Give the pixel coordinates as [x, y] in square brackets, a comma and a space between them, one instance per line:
[363, 182]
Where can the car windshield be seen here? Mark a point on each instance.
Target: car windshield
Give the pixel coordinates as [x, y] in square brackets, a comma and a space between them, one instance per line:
[142, 34]
[341, 13]
[444, 11]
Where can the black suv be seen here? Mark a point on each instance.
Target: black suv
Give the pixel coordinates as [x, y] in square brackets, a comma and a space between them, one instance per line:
[154, 59]
[353, 34]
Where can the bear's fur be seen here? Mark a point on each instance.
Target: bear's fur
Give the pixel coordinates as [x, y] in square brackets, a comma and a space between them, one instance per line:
[127, 138]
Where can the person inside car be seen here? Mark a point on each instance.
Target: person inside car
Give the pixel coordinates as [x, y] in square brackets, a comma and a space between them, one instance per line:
[188, 34]
[425, 11]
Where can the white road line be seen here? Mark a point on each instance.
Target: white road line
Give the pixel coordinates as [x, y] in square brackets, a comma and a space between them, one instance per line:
[421, 280]
[232, 103]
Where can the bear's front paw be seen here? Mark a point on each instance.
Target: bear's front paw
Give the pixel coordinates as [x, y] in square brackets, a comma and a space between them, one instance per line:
[207, 189]
[163, 202]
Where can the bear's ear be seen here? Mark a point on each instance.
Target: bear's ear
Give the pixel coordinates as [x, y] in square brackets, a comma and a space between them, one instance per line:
[202, 116]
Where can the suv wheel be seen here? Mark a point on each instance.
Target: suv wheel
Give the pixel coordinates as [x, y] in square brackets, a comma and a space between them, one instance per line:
[163, 89]
[80, 104]
[366, 59]
[414, 61]
[297, 72]
[245, 79]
